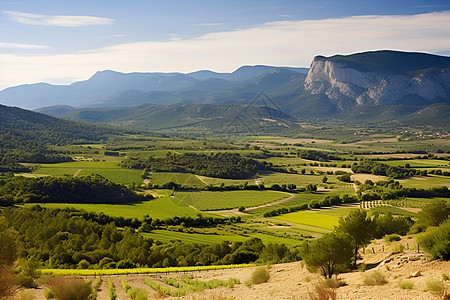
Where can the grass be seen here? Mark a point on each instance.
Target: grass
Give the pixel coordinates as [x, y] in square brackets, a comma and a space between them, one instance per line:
[393, 210]
[419, 163]
[425, 181]
[207, 200]
[374, 278]
[108, 169]
[406, 285]
[311, 218]
[101, 272]
[184, 179]
[260, 275]
[156, 208]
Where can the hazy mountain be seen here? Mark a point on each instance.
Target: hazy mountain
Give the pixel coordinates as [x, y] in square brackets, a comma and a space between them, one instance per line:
[218, 117]
[109, 88]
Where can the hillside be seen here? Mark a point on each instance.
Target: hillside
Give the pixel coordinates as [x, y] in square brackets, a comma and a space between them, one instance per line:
[112, 89]
[218, 117]
[26, 135]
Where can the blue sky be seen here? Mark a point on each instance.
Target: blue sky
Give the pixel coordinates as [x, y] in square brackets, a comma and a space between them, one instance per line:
[63, 41]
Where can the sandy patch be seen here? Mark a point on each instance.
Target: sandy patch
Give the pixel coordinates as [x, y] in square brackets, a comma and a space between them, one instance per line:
[363, 177]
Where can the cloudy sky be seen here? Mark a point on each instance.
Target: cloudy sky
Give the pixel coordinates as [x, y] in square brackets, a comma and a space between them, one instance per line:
[61, 42]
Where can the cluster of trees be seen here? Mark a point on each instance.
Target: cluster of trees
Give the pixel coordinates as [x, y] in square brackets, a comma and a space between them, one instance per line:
[337, 251]
[221, 165]
[377, 168]
[57, 239]
[391, 190]
[317, 155]
[85, 189]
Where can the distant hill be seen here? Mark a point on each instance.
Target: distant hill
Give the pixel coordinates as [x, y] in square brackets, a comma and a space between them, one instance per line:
[26, 135]
[222, 118]
[109, 88]
[375, 86]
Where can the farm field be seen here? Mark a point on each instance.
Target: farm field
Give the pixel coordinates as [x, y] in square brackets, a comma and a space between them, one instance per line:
[166, 236]
[310, 218]
[108, 169]
[207, 200]
[184, 179]
[419, 163]
[428, 181]
[156, 208]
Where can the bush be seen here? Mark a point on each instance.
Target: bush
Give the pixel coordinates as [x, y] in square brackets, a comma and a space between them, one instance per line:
[375, 278]
[323, 290]
[241, 208]
[64, 288]
[260, 275]
[406, 285]
[436, 287]
[436, 240]
[392, 237]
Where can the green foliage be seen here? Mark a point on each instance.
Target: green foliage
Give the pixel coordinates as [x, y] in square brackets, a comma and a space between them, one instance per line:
[89, 189]
[436, 240]
[222, 165]
[360, 227]
[375, 278]
[436, 287]
[111, 290]
[28, 273]
[331, 254]
[377, 168]
[260, 275]
[406, 285]
[436, 212]
[391, 237]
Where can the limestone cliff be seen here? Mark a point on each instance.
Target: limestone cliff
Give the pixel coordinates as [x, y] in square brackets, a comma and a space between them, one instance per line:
[380, 78]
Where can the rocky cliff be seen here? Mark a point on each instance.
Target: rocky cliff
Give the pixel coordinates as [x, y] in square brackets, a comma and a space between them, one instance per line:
[381, 78]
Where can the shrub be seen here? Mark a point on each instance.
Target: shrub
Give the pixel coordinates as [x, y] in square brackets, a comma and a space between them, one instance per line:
[112, 290]
[64, 288]
[323, 290]
[406, 285]
[436, 287]
[392, 237]
[375, 278]
[7, 283]
[436, 241]
[241, 208]
[260, 275]
[398, 249]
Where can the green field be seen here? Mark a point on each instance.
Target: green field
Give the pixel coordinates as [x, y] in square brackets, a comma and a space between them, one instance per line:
[156, 208]
[108, 169]
[167, 236]
[207, 200]
[184, 179]
[419, 163]
[311, 219]
[425, 181]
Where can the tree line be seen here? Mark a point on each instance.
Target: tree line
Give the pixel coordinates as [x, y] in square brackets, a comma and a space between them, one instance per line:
[84, 189]
[57, 239]
[219, 165]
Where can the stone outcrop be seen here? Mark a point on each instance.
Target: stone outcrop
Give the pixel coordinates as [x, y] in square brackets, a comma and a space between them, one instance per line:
[346, 84]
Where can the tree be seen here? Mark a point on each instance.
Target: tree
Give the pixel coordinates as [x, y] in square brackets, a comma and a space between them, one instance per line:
[8, 255]
[437, 241]
[311, 187]
[331, 254]
[360, 227]
[436, 212]
[324, 179]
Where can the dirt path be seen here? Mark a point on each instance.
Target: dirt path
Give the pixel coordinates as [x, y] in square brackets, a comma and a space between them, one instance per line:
[272, 203]
[76, 173]
[194, 208]
[201, 179]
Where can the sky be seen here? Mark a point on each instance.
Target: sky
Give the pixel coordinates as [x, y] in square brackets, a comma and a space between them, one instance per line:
[63, 41]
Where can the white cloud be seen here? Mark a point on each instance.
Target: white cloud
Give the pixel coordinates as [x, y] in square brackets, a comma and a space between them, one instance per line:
[284, 43]
[22, 46]
[49, 20]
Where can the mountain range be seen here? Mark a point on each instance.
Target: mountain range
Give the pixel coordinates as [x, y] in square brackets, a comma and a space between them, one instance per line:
[376, 86]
